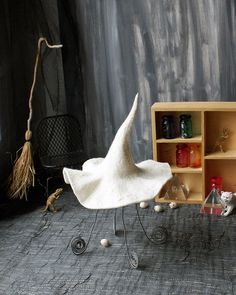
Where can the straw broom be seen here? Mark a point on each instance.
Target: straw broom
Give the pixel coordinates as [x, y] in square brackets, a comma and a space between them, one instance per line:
[23, 173]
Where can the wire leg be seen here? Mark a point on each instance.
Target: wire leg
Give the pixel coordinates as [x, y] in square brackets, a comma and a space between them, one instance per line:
[133, 257]
[47, 185]
[78, 244]
[114, 223]
[160, 236]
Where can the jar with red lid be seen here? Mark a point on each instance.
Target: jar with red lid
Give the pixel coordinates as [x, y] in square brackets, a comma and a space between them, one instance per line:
[182, 155]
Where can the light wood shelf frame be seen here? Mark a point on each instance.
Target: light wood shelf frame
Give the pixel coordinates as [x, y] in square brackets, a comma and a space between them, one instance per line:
[209, 118]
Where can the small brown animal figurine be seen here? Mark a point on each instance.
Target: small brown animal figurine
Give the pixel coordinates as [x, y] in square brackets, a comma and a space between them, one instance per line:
[219, 143]
[51, 199]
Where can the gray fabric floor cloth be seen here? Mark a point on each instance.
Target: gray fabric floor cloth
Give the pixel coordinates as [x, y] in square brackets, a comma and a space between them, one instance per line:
[198, 258]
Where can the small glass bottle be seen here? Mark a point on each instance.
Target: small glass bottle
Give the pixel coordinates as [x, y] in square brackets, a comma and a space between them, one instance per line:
[182, 155]
[194, 156]
[168, 126]
[185, 126]
[216, 182]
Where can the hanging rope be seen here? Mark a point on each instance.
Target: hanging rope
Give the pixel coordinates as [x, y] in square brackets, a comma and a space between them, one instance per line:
[23, 172]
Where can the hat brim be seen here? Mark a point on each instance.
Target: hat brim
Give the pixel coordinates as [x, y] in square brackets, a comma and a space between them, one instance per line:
[96, 189]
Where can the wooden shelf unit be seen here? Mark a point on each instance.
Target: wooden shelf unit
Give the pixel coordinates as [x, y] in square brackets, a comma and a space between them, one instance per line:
[208, 120]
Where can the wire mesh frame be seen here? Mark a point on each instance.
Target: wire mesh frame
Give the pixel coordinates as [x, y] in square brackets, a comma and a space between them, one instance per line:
[59, 144]
[59, 135]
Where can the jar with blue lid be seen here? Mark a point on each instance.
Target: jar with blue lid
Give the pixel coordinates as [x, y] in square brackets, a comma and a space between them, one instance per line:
[168, 130]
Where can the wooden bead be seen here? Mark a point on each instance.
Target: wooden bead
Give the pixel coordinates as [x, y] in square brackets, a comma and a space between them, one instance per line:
[158, 208]
[105, 243]
[143, 205]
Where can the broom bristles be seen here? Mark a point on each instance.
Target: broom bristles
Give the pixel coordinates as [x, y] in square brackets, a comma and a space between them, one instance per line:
[23, 172]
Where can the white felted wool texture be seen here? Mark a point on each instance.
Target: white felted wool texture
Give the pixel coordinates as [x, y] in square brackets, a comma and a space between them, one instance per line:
[116, 181]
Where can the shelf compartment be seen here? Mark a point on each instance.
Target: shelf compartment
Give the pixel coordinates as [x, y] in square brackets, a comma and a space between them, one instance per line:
[224, 168]
[167, 153]
[195, 139]
[196, 122]
[193, 182]
[215, 122]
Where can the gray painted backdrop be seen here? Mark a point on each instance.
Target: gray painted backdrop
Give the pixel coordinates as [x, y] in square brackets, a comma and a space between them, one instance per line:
[167, 50]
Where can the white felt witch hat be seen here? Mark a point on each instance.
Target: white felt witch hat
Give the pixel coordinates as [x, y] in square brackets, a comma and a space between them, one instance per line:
[116, 181]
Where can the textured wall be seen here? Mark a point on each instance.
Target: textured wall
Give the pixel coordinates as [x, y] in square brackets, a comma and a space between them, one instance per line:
[167, 50]
[176, 50]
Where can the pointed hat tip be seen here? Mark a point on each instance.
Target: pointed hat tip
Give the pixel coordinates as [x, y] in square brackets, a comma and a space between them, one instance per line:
[135, 102]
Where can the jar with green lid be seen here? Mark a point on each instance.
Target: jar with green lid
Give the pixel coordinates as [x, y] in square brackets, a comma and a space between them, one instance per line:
[185, 126]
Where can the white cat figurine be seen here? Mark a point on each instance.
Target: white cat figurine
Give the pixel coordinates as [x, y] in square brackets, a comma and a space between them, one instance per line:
[229, 200]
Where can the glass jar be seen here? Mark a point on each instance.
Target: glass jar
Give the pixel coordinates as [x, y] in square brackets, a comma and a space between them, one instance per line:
[194, 156]
[182, 155]
[185, 126]
[168, 126]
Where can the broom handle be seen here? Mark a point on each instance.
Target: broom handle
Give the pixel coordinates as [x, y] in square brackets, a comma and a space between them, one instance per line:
[35, 74]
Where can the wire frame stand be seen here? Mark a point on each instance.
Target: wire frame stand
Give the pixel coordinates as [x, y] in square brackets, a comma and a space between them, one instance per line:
[79, 246]
[159, 237]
